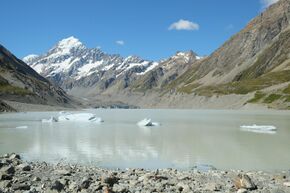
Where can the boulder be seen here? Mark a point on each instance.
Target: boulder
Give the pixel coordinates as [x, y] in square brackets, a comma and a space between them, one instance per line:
[243, 181]
[8, 169]
[24, 167]
[57, 185]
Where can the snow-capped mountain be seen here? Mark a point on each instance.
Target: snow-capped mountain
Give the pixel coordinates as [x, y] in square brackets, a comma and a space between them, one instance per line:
[70, 61]
[70, 64]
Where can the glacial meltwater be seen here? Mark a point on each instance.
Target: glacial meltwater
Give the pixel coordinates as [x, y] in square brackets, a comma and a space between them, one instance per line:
[184, 139]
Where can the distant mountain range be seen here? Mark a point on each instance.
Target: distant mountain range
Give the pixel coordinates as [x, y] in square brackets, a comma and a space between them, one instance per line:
[252, 67]
[70, 65]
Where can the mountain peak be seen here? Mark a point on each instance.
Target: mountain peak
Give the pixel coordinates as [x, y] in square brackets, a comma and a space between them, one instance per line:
[69, 42]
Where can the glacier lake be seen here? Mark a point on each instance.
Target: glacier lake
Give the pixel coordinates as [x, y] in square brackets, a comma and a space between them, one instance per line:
[185, 139]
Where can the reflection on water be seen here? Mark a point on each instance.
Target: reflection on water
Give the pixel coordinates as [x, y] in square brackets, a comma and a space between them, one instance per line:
[186, 138]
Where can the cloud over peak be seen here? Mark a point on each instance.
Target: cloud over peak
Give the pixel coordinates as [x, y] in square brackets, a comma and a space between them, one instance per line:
[120, 42]
[184, 25]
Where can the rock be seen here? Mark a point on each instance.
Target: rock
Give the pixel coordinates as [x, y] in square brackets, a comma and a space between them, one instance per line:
[212, 187]
[181, 186]
[107, 190]
[21, 186]
[5, 184]
[57, 185]
[85, 184]
[36, 179]
[242, 191]
[14, 156]
[24, 167]
[8, 169]
[286, 184]
[63, 172]
[119, 188]
[110, 180]
[243, 181]
[4, 176]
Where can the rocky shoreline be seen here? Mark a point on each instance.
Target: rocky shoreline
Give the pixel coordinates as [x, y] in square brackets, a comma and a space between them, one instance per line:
[17, 175]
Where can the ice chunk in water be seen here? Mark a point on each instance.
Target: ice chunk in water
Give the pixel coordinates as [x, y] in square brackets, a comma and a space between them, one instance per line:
[268, 129]
[80, 117]
[22, 127]
[147, 123]
[50, 120]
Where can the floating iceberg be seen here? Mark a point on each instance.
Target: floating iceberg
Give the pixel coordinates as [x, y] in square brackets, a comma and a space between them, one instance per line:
[50, 120]
[79, 117]
[21, 127]
[147, 123]
[268, 129]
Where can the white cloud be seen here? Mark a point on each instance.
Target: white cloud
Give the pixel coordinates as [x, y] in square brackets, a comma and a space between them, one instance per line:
[184, 25]
[267, 3]
[120, 42]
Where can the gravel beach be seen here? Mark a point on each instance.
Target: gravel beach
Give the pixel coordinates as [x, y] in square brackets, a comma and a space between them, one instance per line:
[17, 175]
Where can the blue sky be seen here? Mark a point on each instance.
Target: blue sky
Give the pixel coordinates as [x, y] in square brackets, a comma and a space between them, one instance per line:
[152, 29]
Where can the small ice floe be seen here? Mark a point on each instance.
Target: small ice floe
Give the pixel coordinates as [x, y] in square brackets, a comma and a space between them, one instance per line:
[80, 117]
[268, 129]
[147, 123]
[50, 120]
[21, 127]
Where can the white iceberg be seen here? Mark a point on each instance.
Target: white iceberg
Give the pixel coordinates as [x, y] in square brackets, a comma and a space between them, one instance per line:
[50, 120]
[268, 129]
[80, 117]
[21, 127]
[147, 123]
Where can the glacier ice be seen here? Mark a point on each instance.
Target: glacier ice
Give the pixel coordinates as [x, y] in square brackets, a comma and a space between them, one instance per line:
[268, 129]
[50, 120]
[147, 123]
[79, 117]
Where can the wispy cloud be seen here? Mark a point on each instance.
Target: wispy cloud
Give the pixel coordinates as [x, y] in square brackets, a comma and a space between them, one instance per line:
[184, 25]
[120, 42]
[267, 3]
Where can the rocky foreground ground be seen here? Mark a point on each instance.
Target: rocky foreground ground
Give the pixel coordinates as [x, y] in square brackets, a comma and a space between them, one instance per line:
[17, 175]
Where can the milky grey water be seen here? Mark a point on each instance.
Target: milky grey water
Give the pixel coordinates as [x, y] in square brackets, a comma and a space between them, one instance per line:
[185, 139]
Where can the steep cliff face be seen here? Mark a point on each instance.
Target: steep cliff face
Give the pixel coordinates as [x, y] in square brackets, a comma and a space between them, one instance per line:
[243, 49]
[19, 82]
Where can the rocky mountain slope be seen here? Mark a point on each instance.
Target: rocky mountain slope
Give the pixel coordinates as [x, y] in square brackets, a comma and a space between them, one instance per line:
[256, 60]
[19, 82]
[253, 66]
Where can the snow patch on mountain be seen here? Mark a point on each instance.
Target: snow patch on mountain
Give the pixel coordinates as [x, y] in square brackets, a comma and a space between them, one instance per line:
[29, 58]
[88, 69]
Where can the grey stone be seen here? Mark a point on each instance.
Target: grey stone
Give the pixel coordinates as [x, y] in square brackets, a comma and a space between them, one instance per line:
[20, 186]
[110, 180]
[243, 181]
[5, 184]
[24, 167]
[14, 156]
[4, 176]
[57, 185]
[63, 172]
[85, 183]
[8, 169]
[242, 191]
[212, 187]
